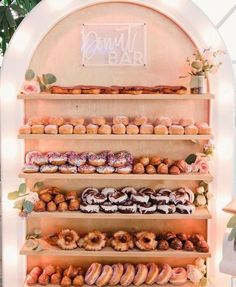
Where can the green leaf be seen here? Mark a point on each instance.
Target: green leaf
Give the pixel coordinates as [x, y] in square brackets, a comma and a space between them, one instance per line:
[232, 222]
[22, 188]
[18, 204]
[13, 195]
[29, 75]
[38, 185]
[49, 79]
[28, 206]
[191, 158]
[232, 234]
[19, 10]
[10, 19]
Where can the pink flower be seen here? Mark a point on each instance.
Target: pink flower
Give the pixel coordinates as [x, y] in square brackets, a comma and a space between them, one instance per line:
[31, 87]
[202, 165]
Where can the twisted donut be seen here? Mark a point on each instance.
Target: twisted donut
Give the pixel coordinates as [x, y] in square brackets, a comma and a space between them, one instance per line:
[178, 276]
[122, 241]
[141, 274]
[164, 275]
[93, 273]
[146, 240]
[128, 276]
[94, 241]
[67, 239]
[153, 272]
[105, 276]
[118, 270]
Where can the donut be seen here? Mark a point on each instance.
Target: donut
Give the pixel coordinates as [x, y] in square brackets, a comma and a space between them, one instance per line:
[98, 120]
[190, 194]
[94, 241]
[118, 129]
[166, 209]
[74, 205]
[182, 236]
[128, 207]
[141, 274]
[55, 279]
[93, 273]
[63, 206]
[56, 158]
[178, 276]
[117, 197]
[176, 130]
[80, 129]
[49, 270]
[90, 89]
[147, 191]
[164, 274]
[40, 206]
[35, 120]
[164, 121]
[92, 129]
[77, 121]
[78, 281]
[140, 120]
[161, 130]
[184, 122]
[71, 195]
[132, 129]
[43, 279]
[51, 129]
[120, 159]
[203, 128]
[67, 239]
[88, 191]
[176, 244]
[187, 208]
[106, 169]
[146, 129]
[86, 169]
[48, 168]
[59, 198]
[71, 271]
[108, 207]
[147, 208]
[191, 130]
[97, 159]
[161, 197]
[129, 190]
[179, 196]
[138, 168]
[188, 246]
[95, 198]
[128, 276]
[163, 245]
[51, 206]
[162, 168]
[29, 157]
[58, 121]
[66, 129]
[120, 120]
[39, 160]
[37, 129]
[87, 208]
[30, 168]
[146, 240]
[77, 159]
[104, 130]
[118, 270]
[122, 241]
[174, 170]
[139, 198]
[105, 276]
[153, 272]
[107, 190]
[124, 169]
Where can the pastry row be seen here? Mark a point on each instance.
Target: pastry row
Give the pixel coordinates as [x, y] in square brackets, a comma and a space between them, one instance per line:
[135, 90]
[120, 125]
[117, 274]
[123, 241]
[107, 162]
[110, 200]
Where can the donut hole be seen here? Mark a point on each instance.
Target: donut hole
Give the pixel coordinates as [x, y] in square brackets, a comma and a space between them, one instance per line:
[95, 239]
[68, 238]
[123, 239]
[146, 240]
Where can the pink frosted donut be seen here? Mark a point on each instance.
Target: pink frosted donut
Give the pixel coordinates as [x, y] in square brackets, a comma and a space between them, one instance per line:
[86, 169]
[30, 156]
[105, 169]
[164, 275]
[178, 276]
[40, 160]
[118, 270]
[56, 158]
[124, 169]
[48, 168]
[67, 169]
[30, 168]
[105, 276]
[97, 159]
[77, 159]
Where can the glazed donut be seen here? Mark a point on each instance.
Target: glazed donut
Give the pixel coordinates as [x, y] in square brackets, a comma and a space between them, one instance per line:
[97, 159]
[128, 276]
[105, 276]
[77, 159]
[108, 207]
[87, 208]
[153, 272]
[56, 158]
[30, 168]
[117, 197]
[122, 241]
[105, 169]
[146, 240]
[94, 241]
[118, 270]
[141, 274]
[178, 276]
[164, 274]
[86, 169]
[147, 208]
[128, 207]
[67, 239]
[93, 273]
[48, 168]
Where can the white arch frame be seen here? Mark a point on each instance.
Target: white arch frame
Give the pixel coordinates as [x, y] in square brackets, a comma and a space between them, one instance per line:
[17, 58]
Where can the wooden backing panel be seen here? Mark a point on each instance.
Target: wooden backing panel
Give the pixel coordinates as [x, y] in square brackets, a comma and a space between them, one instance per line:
[82, 226]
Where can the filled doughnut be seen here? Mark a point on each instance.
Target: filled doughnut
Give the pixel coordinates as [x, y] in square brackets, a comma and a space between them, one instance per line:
[178, 276]
[77, 121]
[78, 281]
[161, 130]
[132, 129]
[93, 273]
[66, 129]
[26, 129]
[122, 241]
[74, 205]
[92, 129]
[79, 129]
[94, 241]
[203, 128]
[141, 274]
[163, 245]
[104, 130]
[138, 168]
[146, 240]
[128, 276]
[121, 120]
[153, 272]
[58, 121]
[176, 244]
[164, 121]
[191, 130]
[140, 120]
[105, 276]
[118, 129]
[146, 129]
[118, 270]
[43, 279]
[67, 239]
[51, 129]
[35, 120]
[176, 130]
[63, 206]
[98, 120]
[37, 129]
[164, 274]
[155, 160]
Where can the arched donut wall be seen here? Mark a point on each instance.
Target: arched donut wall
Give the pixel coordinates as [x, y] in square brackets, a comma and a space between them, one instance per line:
[50, 40]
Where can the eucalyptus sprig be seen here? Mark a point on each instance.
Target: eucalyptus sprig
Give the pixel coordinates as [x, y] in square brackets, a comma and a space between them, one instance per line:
[232, 235]
[44, 81]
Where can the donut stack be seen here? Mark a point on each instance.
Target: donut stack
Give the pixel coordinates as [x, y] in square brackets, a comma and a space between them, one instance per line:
[105, 162]
[145, 201]
[119, 125]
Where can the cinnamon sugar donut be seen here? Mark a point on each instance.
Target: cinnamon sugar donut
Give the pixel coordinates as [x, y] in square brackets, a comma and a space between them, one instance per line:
[77, 121]
[25, 129]
[93, 273]
[141, 274]
[121, 120]
[98, 120]
[128, 276]
[164, 274]
[67, 239]
[153, 272]
[122, 241]
[66, 129]
[94, 241]
[146, 240]
[58, 121]
[51, 129]
[132, 129]
[118, 129]
[79, 129]
[161, 130]
[37, 129]
[178, 276]
[118, 270]
[105, 276]
[104, 130]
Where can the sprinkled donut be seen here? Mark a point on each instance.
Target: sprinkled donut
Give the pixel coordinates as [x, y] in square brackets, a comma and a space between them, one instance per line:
[97, 159]
[56, 158]
[30, 168]
[105, 169]
[77, 159]
[48, 168]
[67, 169]
[86, 169]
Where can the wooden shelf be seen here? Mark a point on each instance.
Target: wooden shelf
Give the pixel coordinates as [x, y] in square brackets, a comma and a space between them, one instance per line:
[200, 213]
[187, 284]
[113, 137]
[45, 96]
[114, 176]
[109, 252]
